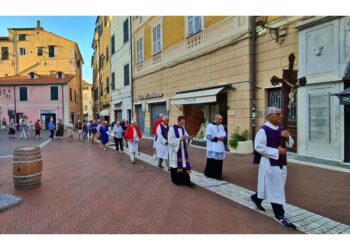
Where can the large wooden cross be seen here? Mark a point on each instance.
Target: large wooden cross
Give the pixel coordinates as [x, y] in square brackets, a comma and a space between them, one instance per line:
[290, 83]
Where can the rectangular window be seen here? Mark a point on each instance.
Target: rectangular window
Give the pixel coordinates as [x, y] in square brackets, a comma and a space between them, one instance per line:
[40, 51]
[54, 93]
[107, 84]
[113, 81]
[126, 75]
[113, 44]
[23, 95]
[101, 88]
[4, 53]
[139, 50]
[85, 96]
[75, 95]
[22, 37]
[101, 61]
[86, 107]
[106, 20]
[275, 97]
[156, 39]
[51, 51]
[107, 54]
[126, 30]
[194, 24]
[22, 51]
[70, 94]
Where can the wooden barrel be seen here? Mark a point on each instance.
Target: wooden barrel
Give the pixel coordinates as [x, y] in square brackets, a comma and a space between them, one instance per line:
[27, 167]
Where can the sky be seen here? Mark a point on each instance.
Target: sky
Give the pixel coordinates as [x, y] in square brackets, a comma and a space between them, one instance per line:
[76, 28]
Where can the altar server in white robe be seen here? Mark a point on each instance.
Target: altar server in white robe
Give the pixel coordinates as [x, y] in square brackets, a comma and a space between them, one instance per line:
[270, 153]
[162, 150]
[215, 135]
[180, 166]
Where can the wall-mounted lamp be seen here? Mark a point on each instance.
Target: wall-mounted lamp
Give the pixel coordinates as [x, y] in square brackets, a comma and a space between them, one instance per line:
[277, 33]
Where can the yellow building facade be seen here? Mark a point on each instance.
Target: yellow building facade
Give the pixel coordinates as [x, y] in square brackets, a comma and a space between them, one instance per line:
[193, 66]
[87, 101]
[36, 50]
[101, 67]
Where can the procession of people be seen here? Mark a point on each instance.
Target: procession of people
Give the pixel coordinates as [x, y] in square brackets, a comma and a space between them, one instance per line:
[171, 147]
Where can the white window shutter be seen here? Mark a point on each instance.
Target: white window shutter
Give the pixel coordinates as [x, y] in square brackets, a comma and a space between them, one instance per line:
[154, 31]
[158, 37]
[189, 25]
[141, 56]
[197, 23]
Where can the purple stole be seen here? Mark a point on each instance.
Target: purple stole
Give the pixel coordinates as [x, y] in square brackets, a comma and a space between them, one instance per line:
[164, 131]
[179, 152]
[273, 140]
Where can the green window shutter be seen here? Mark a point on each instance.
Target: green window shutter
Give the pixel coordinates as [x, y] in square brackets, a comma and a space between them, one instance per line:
[23, 96]
[54, 93]
[126, 31]
[126, 75]
[113, 81]
[51, 51]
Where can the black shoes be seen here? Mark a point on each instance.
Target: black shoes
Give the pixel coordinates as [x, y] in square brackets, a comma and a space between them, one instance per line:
[160, 166]
[285, 222]
[190, 184]
[257, 202]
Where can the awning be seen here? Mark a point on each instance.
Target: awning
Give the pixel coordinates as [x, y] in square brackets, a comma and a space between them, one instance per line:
[104, 112]
[194, 97]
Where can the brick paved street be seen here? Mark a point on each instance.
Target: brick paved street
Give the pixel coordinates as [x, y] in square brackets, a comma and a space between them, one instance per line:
[324, 192]
[87, 190]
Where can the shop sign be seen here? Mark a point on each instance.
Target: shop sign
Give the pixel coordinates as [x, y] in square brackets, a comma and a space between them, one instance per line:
[150, 96]
[5, 92]
[191, 100]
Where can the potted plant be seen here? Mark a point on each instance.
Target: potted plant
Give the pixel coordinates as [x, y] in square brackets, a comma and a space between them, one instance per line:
[239, 144]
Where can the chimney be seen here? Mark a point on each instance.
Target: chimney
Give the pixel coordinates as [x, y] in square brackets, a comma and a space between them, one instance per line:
[38, 24]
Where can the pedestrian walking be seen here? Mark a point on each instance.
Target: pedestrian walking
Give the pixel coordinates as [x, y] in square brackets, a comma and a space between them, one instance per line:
[133, 136]
[124, 125]
[85, 131]
[93, 128]
[22, 129]
[272, 160]
[3, 124]
[99, 124]
[12, 129]
[215, 135]
[118, 137]
[178, 154]
[60, 129]
[154, 133]
[104, 135]
[79, 127]
[52, 128]
[37, 127]
[30, 129]
[70, 131]
[162, 150]
[89, 129]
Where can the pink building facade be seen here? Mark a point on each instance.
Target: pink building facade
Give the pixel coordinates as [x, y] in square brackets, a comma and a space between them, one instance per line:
[43, 97]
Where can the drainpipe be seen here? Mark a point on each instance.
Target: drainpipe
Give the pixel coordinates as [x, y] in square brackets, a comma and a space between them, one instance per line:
[14, 98]
[131, 67]
[62, 104]
[253, 74]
